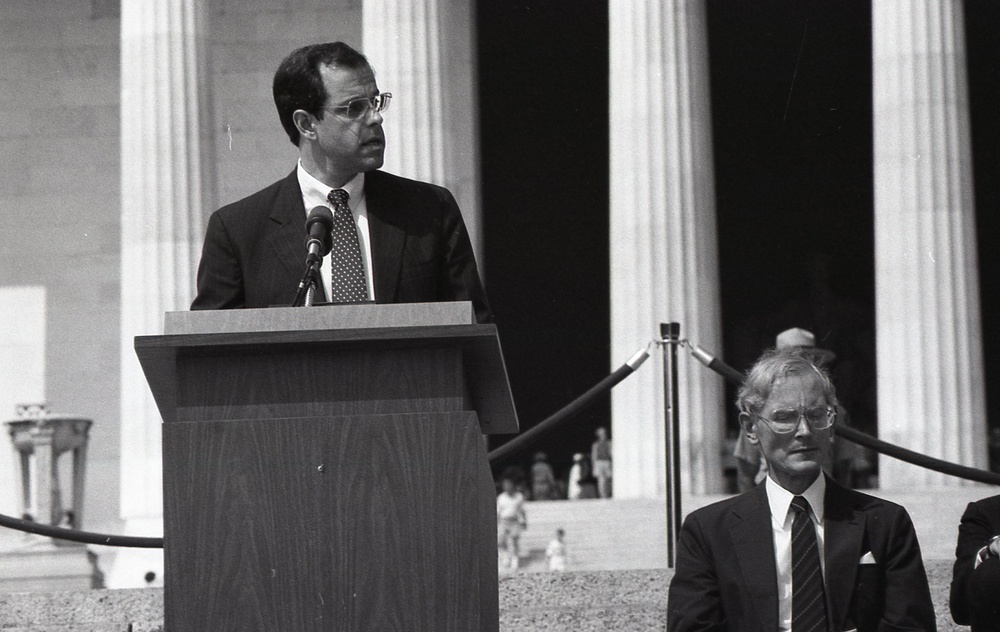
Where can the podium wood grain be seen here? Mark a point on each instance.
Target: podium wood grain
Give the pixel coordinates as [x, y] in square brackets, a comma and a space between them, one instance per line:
[375, 524]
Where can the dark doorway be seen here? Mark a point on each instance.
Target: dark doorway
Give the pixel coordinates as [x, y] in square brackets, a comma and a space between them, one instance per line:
[792, 111]
[543, 85]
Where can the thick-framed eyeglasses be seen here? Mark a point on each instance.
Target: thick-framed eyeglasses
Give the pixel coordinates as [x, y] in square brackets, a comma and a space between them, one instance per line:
[359, 108]
[786, 420]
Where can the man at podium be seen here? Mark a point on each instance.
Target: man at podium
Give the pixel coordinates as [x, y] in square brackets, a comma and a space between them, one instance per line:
[394, 240]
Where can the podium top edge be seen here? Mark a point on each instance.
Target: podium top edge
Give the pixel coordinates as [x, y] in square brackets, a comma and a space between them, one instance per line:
[393, 336]
[325, 317]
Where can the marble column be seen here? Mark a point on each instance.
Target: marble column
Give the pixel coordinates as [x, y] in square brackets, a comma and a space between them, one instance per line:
[664, 257]
[929, 334]
[164, 158]
[424, 53]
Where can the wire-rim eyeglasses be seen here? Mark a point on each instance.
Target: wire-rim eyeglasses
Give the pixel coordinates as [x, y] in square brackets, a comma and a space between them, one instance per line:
[359, 108]
[786, 420]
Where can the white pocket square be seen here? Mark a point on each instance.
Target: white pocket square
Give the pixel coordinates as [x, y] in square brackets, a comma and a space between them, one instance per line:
[867, 558]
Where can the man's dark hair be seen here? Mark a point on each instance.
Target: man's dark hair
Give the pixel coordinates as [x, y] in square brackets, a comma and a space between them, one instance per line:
[299, 86]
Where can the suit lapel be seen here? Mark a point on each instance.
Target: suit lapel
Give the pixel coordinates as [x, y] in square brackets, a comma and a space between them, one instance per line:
[844, 530]
[286, 234]
[750, 530]
[387, 230]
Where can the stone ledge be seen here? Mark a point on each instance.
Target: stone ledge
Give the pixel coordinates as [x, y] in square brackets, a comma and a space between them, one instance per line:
[623, 601]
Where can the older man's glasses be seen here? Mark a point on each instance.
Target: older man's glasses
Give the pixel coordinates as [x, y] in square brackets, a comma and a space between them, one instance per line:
[786, 420]
[359, 108]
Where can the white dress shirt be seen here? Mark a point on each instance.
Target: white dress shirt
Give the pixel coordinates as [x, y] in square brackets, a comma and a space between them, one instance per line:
[780, 500]
[314, 193]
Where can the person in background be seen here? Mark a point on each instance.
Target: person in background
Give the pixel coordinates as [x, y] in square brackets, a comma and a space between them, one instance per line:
[543, 479]
[600, 458]
[799, 552]
[975, 585]
[576, 474]
[555, 552]
[511, 523]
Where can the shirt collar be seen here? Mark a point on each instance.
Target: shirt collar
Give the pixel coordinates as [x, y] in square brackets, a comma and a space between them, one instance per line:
[780, 499]
[317, 192]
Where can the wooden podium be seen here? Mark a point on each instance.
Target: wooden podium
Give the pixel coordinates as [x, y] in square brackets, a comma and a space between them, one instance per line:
[324, 468]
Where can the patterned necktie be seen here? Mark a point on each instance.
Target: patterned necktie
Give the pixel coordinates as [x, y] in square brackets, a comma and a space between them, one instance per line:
[808, 600]
[348, 276]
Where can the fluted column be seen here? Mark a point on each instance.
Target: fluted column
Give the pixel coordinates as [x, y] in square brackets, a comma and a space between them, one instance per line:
[423, 51]
[929, 337]
[664, 259]
[163, 157]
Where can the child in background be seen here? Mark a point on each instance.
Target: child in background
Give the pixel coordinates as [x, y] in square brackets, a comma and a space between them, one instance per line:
[556, 552]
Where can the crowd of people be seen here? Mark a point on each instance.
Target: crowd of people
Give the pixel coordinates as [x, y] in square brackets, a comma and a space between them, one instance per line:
[589, 475]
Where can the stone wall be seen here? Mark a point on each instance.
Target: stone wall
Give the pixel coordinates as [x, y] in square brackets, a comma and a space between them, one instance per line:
[59, 190]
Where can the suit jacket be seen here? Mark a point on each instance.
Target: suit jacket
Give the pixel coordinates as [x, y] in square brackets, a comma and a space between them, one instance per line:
[980, 522]
[254, 252]
[726, 579]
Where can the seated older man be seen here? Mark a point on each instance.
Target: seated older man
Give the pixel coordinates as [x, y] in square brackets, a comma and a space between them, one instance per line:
[798, 551]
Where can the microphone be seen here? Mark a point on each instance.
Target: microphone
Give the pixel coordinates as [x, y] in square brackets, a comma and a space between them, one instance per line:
[319, 224]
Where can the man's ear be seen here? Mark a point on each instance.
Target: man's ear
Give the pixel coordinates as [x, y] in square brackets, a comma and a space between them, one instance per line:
[747, 427]
[305, 123]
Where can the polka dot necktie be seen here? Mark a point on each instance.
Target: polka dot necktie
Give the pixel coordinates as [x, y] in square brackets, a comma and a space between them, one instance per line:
[348, 276]
[808, 599]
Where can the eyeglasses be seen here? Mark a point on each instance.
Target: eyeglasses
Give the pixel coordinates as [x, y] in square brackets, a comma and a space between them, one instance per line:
[359, 108]
[786, 420]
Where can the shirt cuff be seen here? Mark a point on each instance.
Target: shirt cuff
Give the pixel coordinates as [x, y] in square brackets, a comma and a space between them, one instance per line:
[984, 553]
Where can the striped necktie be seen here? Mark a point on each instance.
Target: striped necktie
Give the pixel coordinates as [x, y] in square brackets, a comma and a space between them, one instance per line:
[808, 599]
[348, 275]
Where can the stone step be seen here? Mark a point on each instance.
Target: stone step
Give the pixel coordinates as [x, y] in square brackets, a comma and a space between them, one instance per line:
[620, 534]
[600, 534]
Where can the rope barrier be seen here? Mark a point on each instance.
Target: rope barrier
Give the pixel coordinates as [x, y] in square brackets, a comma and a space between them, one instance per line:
[916, 458]
[73, 535]
[500, 453]
[571, 409]
[547, 425]
[856, 436]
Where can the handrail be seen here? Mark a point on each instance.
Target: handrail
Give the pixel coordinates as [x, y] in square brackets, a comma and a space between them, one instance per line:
[87, 537]
[568, 411]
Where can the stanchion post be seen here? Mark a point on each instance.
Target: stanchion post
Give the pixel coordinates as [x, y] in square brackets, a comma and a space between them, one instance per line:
[670, 337]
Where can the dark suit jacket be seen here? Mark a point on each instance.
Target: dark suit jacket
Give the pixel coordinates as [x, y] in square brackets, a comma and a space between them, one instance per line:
[725, 576]
[254, 253]
[980, 522]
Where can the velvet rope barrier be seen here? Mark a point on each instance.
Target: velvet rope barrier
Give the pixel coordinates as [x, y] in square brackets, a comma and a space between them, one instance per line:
[571, 409]
[496, 455]
[73, 535]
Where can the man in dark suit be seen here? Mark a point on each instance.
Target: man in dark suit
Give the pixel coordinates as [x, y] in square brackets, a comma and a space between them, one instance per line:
[798, 551]
[975, 583]
[413, 243]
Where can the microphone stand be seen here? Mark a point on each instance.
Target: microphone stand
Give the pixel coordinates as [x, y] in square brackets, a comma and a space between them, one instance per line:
[309, 283]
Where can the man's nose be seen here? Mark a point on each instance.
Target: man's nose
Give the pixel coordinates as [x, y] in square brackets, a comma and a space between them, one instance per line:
[802, 426]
